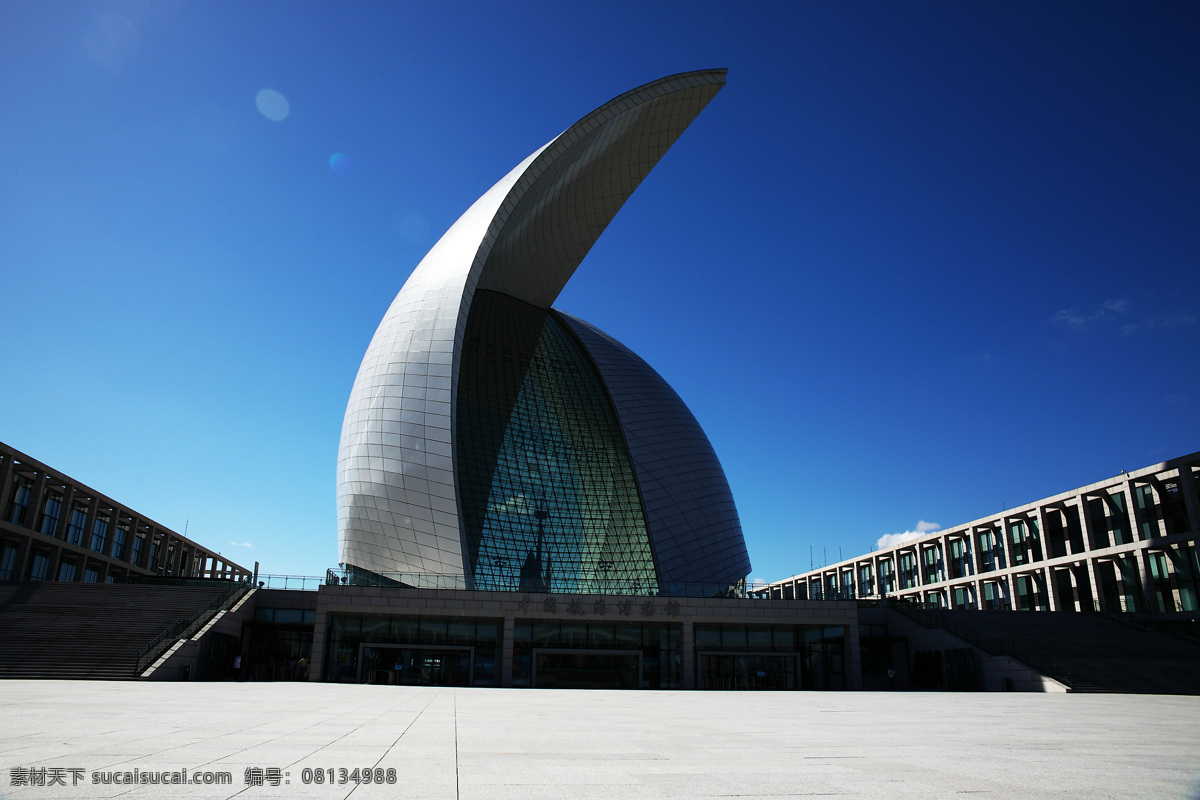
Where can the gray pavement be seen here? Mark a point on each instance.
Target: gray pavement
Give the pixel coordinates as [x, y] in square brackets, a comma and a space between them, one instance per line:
[493, 744]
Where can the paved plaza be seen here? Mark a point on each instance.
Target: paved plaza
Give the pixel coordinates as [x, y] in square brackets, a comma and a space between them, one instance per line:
[491, 744]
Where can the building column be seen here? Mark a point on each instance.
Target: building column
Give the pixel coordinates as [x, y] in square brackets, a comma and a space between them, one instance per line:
[64, 516]
[853, 664]
[1052, 596]
[688, 678]
[1191, 503]
[316, 659]
[1047, 576]
[1097, 600]
[36, 496]
[6, 473]
[1149, 595]
[89, 522]
[506, 651]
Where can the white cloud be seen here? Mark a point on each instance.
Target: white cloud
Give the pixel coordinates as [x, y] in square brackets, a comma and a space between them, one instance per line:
[241, 544]
[1169, 320]
[1077, 320]
[892, 539]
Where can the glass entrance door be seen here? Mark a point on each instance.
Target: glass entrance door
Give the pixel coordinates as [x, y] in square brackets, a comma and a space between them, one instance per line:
[586, 669]
[417, 666]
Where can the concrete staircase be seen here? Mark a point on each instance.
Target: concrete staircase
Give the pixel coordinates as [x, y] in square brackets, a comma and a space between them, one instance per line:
[90, 631]
[1089, 652]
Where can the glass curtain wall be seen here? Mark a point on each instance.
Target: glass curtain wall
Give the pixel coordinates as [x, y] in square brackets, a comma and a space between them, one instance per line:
[549, 498]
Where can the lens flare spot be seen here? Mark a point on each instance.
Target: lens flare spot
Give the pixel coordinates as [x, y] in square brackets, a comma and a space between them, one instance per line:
[272, 105]
[413, 228]
[341, 164]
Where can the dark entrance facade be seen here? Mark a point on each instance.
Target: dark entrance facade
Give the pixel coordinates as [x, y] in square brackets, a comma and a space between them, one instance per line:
[415, 665]
[587, 669]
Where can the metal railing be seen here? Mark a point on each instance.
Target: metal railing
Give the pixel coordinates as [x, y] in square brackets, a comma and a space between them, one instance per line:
[412, 580]
[183, 628]
[297, 582]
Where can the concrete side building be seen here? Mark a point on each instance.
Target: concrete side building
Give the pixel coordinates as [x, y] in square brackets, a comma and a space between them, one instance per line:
[55, 528]
[1126, 544]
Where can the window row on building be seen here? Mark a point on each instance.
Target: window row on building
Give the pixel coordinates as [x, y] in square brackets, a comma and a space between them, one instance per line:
[1125, 544]
[54, 528]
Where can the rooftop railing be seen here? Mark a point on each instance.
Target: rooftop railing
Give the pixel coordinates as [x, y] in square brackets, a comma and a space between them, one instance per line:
[601, 586]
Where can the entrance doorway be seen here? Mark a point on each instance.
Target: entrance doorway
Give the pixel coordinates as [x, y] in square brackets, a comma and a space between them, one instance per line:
[752, 671]
[587, 669]
[415, 665]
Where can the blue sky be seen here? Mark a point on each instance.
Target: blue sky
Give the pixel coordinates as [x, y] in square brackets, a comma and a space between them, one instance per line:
[915, 263]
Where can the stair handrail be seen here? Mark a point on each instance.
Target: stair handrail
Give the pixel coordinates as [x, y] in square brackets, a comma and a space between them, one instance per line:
[183, 628]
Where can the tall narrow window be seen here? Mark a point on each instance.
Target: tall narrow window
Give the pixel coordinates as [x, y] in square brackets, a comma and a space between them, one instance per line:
[1020, 544]
[8, 561]
[932, 564]
[51, 507]
[18, 503]
[135, 553]
[1098, 522]
[1119, 519]
[77, 523]
[1175, 509]
[1147, 511]
[39, 567]
[99, 532]
[960, 558]
[66, 571]
[866, 587]
[887, 576]
[120, 536]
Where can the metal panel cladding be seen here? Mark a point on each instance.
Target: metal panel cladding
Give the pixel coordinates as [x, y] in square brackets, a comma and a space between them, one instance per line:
[401, 508]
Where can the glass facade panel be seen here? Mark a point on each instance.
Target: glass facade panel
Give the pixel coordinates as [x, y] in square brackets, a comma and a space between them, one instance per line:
[549, 498]
[733, 637]
[66, 571]
[759, 638]
[580, 654]
[1185, 563]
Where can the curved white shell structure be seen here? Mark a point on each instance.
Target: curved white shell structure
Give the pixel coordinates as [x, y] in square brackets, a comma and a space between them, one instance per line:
[401, 506]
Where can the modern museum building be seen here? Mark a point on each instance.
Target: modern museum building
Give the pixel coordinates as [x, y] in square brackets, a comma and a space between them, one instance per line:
[524, 502]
